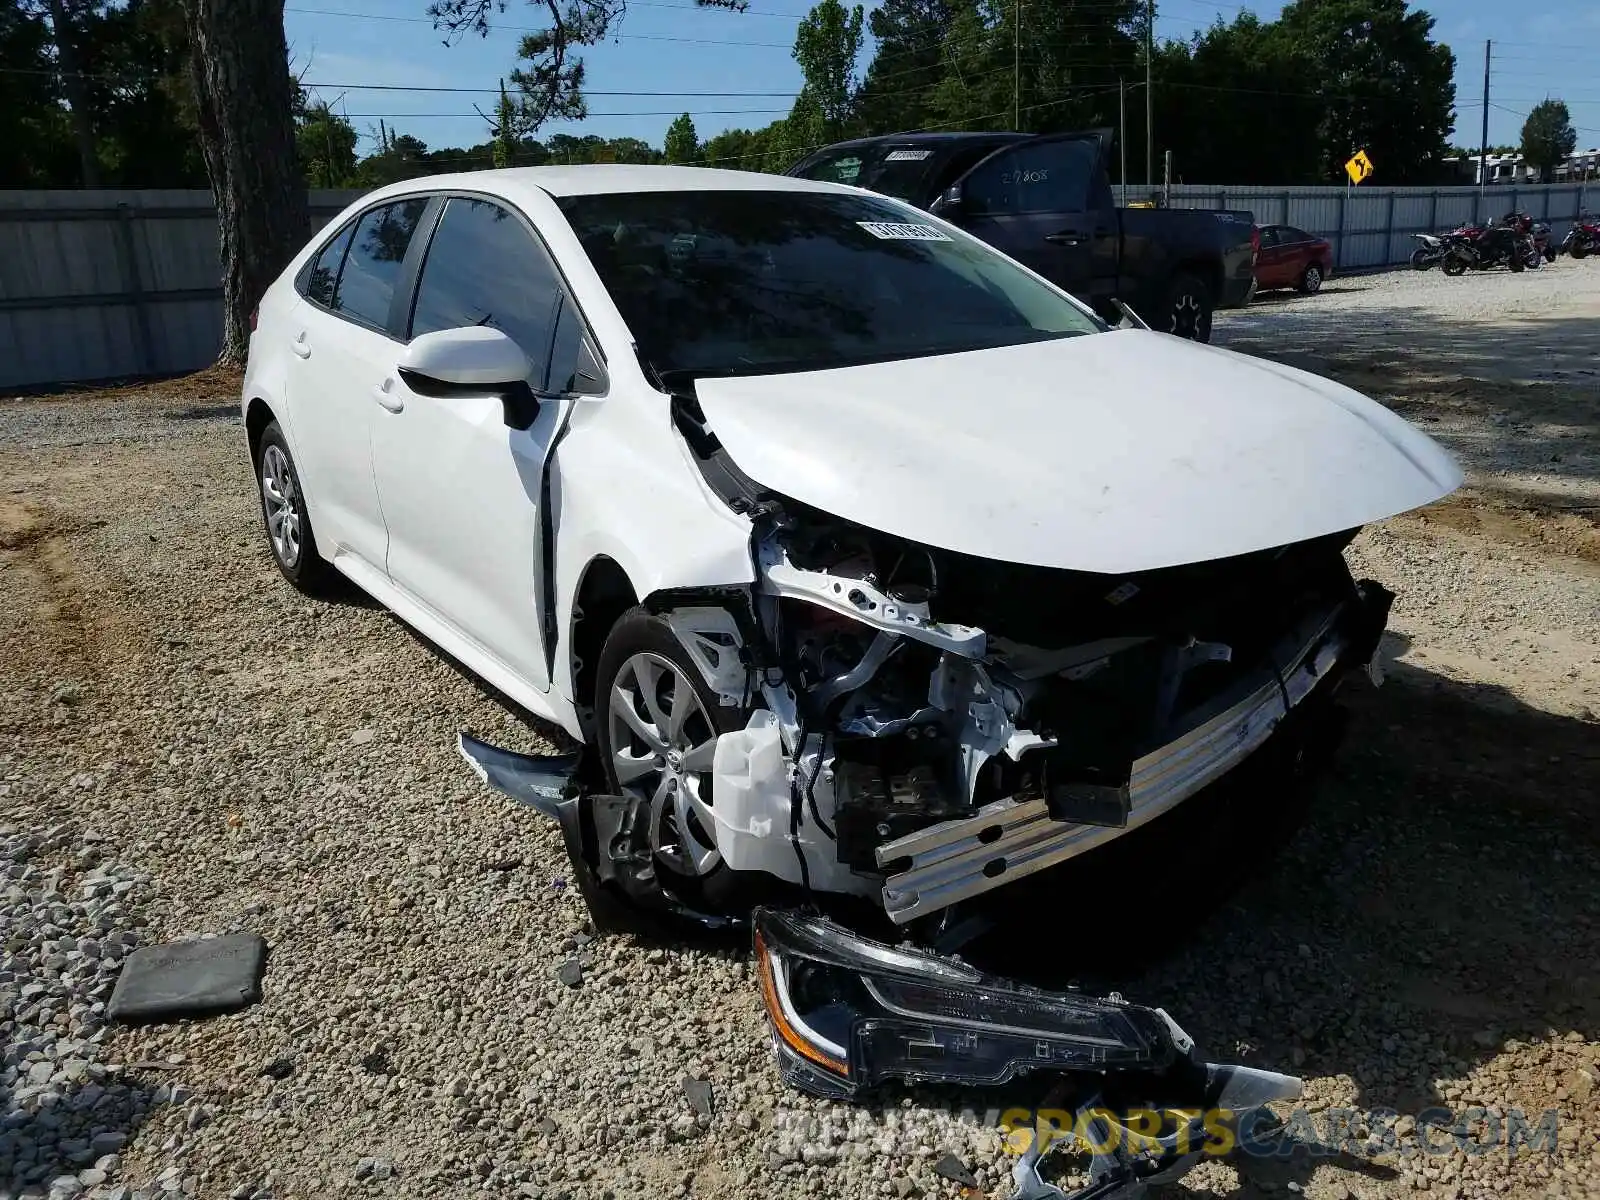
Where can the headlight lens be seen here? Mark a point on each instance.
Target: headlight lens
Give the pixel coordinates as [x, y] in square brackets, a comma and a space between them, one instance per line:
[848, 1013]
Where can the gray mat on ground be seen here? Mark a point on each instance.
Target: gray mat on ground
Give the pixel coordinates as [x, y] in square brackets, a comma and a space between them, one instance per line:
[190, 978]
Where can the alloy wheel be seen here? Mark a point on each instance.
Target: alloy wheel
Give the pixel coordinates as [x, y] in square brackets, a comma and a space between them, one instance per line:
[1186, 314]
[1313, 279]
[278, 495]
[662, 745]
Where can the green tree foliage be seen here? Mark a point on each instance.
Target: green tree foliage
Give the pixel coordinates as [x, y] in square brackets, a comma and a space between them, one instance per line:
[326, 144]
[131, 59]
[1548, 136]
[505, 129]
[682, 144]
[826, 46]
[1381, 82]
[909, 62]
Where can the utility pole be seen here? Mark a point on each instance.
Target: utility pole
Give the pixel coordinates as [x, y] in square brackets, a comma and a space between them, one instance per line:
[1122, 141]
[1483, 145]
[1016, 69]
[77, 95]
[1149, 95]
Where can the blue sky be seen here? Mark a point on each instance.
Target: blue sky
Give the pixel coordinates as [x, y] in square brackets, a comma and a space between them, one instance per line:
[729, 69]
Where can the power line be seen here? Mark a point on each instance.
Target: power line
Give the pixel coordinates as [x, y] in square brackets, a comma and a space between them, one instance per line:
[624, 36]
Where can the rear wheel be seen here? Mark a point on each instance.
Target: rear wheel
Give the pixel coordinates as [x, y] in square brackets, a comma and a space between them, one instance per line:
[1580, 248]
[1516, 260]
[1454, 264]
[1420, 260]
[1311, 280]
[283, 512]
[1188, 309]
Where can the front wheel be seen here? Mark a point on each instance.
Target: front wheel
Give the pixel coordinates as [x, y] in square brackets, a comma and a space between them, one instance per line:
[1516, 261]
[657, 724]
[1454, 265]
[1188, 309]
[1580, 248]
[1420, 260]
[1311, 280]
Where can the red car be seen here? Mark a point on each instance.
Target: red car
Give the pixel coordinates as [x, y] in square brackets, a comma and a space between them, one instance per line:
[1291, 257]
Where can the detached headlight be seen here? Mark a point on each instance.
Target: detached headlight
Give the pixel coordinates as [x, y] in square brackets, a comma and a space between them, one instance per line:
[848, 1013]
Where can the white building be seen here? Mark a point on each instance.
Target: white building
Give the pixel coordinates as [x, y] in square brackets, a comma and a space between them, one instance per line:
[1510, 168]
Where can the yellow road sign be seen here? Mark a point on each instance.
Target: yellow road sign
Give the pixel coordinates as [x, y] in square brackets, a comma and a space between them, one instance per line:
[1359, 166]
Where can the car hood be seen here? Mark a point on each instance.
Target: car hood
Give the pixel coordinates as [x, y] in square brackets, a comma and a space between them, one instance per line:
[1115, 452]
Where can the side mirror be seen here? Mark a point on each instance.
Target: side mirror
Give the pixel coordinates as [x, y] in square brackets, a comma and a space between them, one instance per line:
[947, 203]
[476, 360]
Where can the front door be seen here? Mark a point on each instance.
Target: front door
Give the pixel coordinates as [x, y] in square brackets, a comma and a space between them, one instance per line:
[461, 492]
[1047, 204]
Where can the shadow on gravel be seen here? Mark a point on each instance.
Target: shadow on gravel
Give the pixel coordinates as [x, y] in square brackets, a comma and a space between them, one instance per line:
[1437, 901]
[50, 1130]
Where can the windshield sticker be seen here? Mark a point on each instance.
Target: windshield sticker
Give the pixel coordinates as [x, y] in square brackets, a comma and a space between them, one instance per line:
[906, 155]
[892, 231]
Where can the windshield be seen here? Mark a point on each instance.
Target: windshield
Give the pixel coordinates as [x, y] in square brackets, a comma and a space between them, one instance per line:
[899, 171]
[744, 282]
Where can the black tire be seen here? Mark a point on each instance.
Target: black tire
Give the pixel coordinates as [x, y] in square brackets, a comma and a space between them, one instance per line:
[1516, 261]
[1549, 252]
[1420, 260]
[640, 633]
[1311, 279]
[301, 565]
[1579, 249]
[1188, 309]
[1454, 265]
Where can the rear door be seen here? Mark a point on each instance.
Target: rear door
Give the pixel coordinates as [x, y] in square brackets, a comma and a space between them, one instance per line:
[1047, 203]
[343, 348]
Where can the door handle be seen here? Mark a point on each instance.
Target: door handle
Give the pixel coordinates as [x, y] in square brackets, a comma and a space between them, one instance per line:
[1066, 239]
[300, 346]
[385, 395]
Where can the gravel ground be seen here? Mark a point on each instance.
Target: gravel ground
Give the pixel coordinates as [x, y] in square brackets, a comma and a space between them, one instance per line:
[188, 747]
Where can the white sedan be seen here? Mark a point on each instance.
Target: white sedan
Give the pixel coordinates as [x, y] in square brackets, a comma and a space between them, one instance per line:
[864, 558]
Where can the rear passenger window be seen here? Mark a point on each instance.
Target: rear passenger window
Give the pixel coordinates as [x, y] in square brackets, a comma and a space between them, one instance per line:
[324, 273]
[372, 267]
[485, 268]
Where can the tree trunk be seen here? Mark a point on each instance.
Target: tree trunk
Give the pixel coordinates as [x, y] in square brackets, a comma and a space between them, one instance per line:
[239, 64]
[77, 97]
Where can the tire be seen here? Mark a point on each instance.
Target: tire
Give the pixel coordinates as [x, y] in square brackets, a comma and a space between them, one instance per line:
[1580, 249]
[1189, 308]
[1454, 265]
[1549, 252]
[643, 657]
[1420, 260]
[1311, 279]
[1516, 262]
[285, 519]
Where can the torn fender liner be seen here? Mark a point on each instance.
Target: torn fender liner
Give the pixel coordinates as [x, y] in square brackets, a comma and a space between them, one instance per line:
[606, 838]
[539, 780]
[190, 978]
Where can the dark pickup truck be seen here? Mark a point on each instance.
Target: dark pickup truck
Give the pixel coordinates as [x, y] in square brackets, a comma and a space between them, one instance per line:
[1046, 201]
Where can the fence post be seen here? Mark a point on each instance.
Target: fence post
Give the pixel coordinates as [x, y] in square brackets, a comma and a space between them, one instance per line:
[133, 284]
[1433, 211]
[1342, 262]
[1388, 233]
[1222, 201]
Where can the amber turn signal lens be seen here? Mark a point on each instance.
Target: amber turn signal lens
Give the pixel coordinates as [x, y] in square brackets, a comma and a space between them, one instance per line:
[781, 1024]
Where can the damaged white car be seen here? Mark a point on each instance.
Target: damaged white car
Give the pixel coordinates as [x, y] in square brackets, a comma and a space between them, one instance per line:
[865, 561]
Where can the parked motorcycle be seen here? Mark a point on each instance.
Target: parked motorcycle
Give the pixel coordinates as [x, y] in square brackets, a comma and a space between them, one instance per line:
[1583, 238]
[1508, 242]
[1429, 253]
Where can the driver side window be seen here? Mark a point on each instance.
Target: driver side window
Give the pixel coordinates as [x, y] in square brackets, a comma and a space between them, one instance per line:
[1034, 177]
[484, 267]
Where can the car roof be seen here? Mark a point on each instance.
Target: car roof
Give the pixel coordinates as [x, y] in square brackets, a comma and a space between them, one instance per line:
[600, 178]
[929, 139]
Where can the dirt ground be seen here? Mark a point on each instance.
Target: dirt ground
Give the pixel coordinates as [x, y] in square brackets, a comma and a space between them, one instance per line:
[1430, 938]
